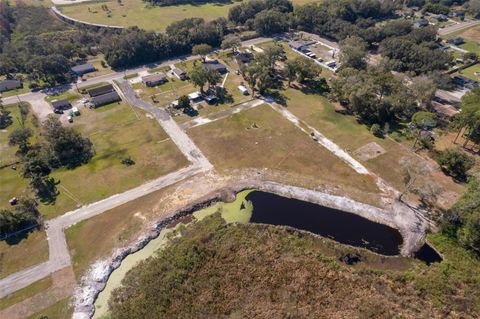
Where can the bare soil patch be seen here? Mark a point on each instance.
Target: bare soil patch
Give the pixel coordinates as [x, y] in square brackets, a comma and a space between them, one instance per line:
[369, 151]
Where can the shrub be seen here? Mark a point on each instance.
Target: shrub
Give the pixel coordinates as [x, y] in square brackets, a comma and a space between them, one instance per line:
[376, 130]
[455, 162]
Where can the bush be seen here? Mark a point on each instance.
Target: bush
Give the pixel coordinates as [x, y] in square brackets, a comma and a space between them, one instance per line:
[455, 163]
[128, 161]
[376, 130]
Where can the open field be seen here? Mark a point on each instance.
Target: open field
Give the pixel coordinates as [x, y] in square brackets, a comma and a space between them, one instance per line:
[135, 13]
[319, 113]
[261, 139]
[60, 309]
[26, 292]
[470, 72]
[13, 185]
[116, 133]
[471, 37]
[30, 250]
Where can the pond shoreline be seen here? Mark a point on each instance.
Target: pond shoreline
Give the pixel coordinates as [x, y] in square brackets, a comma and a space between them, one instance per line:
[400, 218]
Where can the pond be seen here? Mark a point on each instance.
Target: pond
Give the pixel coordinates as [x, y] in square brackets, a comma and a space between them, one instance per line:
[267, 208]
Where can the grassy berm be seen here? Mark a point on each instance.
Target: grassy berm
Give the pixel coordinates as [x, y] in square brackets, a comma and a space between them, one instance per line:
[255, 271]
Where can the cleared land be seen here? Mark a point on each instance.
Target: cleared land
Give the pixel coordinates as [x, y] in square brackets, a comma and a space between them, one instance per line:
[261, 139]
[26, 292]
[116, 133]
[60, 309]
[320, 113]
[21, 253]
[135, 13]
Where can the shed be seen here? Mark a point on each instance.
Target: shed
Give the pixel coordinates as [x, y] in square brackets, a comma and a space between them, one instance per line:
[243, 89]
[297, 45]
[154, 79]
[195, 96]
[82, 69]
[60, 104]
[7, 85]
[421, 23]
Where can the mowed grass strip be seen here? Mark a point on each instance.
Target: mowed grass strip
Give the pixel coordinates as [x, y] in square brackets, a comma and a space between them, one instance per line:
[116, 133]
[262, 139]
[27, 292]
[18, 254]
[60, 309]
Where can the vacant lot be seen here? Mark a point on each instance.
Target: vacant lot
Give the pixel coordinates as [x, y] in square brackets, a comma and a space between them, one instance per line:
[261, 139]
[350, 135]
[21, 253]
[26, 292]
[117, 132]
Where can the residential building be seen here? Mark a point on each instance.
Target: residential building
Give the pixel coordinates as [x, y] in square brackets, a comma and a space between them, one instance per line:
[7, 85]
[421, 23]
[180, 74]
[243, 57]
[83, 69]
[457, 13]
[243, 89]
[101, 90]
[60, 104]
[154, 79]
[106, 98]
[456, 40]
[215, 65]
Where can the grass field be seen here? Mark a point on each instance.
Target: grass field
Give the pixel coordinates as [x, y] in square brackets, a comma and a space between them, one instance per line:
[471, 37]
[135, 13]
[116, 133]
[319, 113]
[61, 309]
[279, 148]
[30, 251]
[470, 72]
[26, 292]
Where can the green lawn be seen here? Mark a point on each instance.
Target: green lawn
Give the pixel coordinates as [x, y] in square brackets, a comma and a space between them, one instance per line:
[470, 72]
[28, 252]
[135, 13]
[69, 95]
[116, 133]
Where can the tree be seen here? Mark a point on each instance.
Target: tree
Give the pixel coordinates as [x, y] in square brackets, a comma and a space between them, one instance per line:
[69, 147]
[231, 41]
[250, 74]
[201, 50]
[425, 120]
[213, 78]
[468, 120]
[290, 71]
[455, 162]
[24, 110]
[423, 89]
[5, 117]
[20, 137]
[198, 77]
[353, 52]
[306, 69]
[183, 102]
[413, 173]
[25, 214]
[270, 22]
[474, 7]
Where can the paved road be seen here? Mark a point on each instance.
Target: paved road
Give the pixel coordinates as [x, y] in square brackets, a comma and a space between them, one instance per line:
[458, 26]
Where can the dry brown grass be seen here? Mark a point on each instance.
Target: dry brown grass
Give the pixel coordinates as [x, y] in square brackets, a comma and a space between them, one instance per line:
[279, 148]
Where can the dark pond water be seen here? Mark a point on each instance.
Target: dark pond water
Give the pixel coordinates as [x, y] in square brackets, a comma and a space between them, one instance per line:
[428, 255]
[343, 227]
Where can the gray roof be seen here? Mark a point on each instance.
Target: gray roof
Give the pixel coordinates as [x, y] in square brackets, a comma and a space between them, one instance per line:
[83, 68]
[106, 98]
[178, 72]
[157, 77]
[60, 103]
[10, 84]
[215, 65]
[100, 90]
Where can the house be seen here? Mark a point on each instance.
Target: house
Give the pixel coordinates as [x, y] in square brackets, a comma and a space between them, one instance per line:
[210, 98]
[83, 69]
[465, 82]
[154, 79]
[456, 40]
[421, 23]
[106, 98]
[457, 13]
[179, 74]
[244, 57]
[215, 65]
[7, 85]
[442, 18]
[297, 45]
[101, 90]
[195, 97]
[60, 104]
[243, 89]
[103, 95]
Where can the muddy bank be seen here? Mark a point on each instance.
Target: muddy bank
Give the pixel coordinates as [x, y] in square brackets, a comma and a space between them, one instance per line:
[400, 218]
